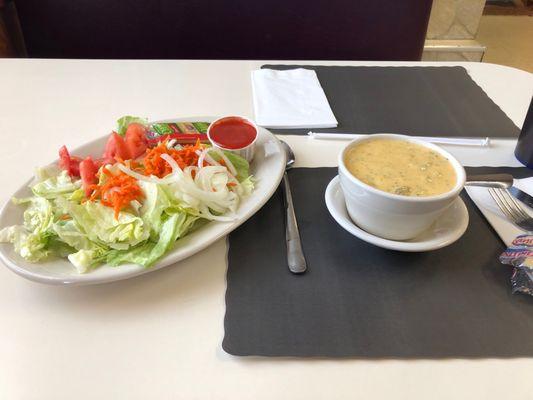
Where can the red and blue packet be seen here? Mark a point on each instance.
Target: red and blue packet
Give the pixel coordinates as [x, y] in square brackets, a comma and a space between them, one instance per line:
[520, 256]
[182, 132]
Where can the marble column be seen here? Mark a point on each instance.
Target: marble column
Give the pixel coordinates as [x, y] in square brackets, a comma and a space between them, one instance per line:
[452, 30]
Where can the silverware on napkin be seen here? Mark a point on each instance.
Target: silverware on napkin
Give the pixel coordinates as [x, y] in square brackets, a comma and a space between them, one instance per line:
[500, 181]
[522, 196]
[512, 209]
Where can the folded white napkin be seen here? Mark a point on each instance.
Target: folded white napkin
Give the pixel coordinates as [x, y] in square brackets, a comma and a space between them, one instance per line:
[290, 99]
[505, 229]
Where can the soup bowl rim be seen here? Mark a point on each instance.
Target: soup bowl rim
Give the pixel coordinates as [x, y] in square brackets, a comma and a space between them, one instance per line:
[460, 174]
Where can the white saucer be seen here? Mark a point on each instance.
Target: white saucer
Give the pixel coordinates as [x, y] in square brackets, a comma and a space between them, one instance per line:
[446, 230]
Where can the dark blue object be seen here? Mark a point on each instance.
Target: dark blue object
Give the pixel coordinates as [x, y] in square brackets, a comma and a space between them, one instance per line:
[524, 147]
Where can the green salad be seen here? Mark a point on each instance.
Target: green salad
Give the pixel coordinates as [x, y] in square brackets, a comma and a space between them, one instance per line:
[132, 204]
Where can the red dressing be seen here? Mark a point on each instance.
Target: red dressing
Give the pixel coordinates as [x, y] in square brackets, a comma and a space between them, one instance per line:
[232, 133]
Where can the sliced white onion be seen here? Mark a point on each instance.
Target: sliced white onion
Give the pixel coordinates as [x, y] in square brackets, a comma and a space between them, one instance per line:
[207, 192]
[173, 164]
[201, 157]
[171, 143]
[189, 170]
[229, 164]
[210, 159]
[204, 155]
[205, 213]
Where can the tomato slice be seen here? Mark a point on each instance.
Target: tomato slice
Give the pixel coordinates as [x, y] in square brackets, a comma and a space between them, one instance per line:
[64, 158]
[99, 162]
[68, 163]
[88, 170]
[135, 139]
[115, 148]
[75, 166]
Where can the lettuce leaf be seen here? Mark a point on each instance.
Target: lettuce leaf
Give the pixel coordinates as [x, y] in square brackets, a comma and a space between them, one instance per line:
[69, 233]
[55, 186]
[38, 217]
[122, 123]
[99, 224]
[156, 201]
[241, 165]
[84, 260]
[31, 239]
[174, 227]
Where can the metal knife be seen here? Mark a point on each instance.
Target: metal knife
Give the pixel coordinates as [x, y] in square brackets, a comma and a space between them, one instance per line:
[522, 196]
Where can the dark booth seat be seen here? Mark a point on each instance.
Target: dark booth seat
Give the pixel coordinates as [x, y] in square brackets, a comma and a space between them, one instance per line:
[231, 29]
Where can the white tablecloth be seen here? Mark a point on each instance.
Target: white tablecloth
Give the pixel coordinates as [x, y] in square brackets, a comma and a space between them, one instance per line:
[159, 335]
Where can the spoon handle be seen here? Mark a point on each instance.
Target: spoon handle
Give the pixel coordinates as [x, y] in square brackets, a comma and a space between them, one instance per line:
[295, 254]
[502, 181]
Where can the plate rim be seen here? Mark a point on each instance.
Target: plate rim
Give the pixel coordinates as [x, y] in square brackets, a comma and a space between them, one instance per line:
[87, 279]
[411, 247]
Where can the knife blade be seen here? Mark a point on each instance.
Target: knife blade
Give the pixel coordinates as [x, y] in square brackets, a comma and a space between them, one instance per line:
[522, 196]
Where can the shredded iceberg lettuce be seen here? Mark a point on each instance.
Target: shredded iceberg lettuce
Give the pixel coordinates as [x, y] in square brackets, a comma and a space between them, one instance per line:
[60, 221]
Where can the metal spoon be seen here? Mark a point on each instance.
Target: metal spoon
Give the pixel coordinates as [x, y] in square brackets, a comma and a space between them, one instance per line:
[295, 254]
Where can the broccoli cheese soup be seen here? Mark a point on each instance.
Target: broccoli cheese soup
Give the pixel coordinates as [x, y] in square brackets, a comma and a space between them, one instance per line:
[400, 167]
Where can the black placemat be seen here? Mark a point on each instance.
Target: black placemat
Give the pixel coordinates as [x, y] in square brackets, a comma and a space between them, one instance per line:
[358, 300]
[423, 101]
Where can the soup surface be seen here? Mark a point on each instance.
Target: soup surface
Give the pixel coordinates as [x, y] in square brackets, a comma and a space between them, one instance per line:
[400, 167]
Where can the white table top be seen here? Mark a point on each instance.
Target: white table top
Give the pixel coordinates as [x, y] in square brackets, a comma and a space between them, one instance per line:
[159, 335]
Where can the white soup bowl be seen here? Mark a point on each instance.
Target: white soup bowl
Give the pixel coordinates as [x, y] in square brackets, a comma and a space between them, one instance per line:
[393, 216]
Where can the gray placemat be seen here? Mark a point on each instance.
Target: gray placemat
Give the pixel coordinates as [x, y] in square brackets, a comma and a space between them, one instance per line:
[422, 101]
[358, 300]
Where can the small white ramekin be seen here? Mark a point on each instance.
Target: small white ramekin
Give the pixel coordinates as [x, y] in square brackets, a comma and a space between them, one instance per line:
[246, 152]
[392, 216]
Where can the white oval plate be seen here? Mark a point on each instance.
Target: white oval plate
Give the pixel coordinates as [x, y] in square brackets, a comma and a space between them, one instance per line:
[449, 227]
[267, 167]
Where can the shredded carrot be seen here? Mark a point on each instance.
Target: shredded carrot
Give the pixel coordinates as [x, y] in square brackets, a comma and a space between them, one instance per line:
[65, 217]
[155, 165]
[135, 165]
[117, 191]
